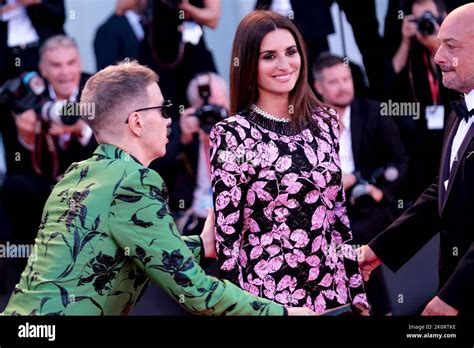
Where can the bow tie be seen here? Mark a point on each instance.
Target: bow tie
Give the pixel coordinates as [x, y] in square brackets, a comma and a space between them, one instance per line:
[460, 108]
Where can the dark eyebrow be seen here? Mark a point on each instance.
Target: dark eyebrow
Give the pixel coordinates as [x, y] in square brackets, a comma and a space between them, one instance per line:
[272, 51]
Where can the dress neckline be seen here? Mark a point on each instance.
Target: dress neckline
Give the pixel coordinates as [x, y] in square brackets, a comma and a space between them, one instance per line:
[283, 128]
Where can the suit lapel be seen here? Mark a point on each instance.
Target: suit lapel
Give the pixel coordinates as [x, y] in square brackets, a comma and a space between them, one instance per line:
[457, 161]
[445, 159]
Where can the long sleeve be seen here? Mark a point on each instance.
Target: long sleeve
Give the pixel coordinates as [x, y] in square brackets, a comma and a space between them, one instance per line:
[356, 289]
[229, 194]
[459, 288]
[106, 46]
[50, 13]
[413, 229]
[140, 222]
[194, 243]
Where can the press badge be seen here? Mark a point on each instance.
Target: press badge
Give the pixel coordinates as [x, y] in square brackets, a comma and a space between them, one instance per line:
[435, 116]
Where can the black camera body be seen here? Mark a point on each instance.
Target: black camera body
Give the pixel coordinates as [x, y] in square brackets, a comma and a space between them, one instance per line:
[427, 23]
[360, 196]
[23, 93]
[28, 92]
[209, 114]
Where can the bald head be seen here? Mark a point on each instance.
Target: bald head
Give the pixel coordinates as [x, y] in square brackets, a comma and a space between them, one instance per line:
[461, 19]
[454, 56]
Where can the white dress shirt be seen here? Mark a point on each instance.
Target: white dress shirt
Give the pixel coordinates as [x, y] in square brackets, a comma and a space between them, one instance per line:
[461, 132]
[20, 29]
[134, 19]
[345, 143]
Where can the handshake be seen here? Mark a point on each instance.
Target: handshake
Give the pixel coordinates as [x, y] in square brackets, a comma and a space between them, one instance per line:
[368, 261]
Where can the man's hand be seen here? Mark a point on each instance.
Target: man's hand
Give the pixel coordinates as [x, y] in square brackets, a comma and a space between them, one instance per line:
[208, 235]
[409, 28]
[438, 307]
[300, 311]
[58, 129]
[25, 124]
[348, 180]
[375, 193]
[368, 261]
[189, 125]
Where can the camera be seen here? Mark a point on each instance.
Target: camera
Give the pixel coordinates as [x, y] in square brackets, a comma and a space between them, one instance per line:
[209, 114]
[28, 92]
[172, 3]
[427, 23]
[360, 196]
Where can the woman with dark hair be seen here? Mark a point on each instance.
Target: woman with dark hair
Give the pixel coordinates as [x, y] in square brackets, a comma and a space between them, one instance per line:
[282, 229]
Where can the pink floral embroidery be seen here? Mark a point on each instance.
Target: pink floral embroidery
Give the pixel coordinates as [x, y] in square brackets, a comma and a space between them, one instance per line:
[282, 230]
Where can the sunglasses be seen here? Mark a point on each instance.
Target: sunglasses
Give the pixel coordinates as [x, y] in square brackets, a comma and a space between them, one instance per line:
[165, 109]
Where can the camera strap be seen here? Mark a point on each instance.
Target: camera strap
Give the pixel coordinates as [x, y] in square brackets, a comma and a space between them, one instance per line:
[433, 82]
[41, 135]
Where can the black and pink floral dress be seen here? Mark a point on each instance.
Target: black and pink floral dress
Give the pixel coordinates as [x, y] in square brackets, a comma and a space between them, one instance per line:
[281, 222]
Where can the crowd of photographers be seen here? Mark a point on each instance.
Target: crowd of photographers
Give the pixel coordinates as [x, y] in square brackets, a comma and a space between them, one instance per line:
[386, 161]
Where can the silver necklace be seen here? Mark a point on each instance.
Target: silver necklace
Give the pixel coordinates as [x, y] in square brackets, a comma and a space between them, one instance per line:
[267, 115]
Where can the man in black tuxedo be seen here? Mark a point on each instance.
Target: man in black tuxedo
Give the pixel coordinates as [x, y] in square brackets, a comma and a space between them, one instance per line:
[24, 26]
[121, 34]
[447, 205]
[369, 147]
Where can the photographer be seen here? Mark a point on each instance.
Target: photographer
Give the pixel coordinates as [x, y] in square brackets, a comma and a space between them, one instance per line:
[190, 184]
[412, 77]
[178, 50]
[41, 143]
[373, 160]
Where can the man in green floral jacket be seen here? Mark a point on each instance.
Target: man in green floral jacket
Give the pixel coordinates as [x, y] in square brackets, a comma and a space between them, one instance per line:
[106, 228]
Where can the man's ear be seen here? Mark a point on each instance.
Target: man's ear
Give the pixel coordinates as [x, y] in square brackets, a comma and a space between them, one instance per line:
[317, 87]
[135, 123]
[42, 70]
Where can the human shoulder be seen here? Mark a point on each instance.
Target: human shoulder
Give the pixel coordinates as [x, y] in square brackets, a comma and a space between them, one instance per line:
[233, 121]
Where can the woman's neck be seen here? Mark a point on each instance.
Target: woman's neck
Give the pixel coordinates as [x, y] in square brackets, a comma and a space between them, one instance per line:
[274, 104]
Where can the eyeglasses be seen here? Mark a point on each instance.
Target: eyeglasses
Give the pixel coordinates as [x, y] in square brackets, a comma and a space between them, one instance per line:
[165, 112]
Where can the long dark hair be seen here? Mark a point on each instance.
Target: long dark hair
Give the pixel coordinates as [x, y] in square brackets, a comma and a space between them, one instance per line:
[244, 67]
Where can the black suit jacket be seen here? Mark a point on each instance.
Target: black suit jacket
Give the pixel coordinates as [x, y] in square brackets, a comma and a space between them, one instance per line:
[313, 18]
[451, 214]
[115, 40]
[47, 18]
[376, 143]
